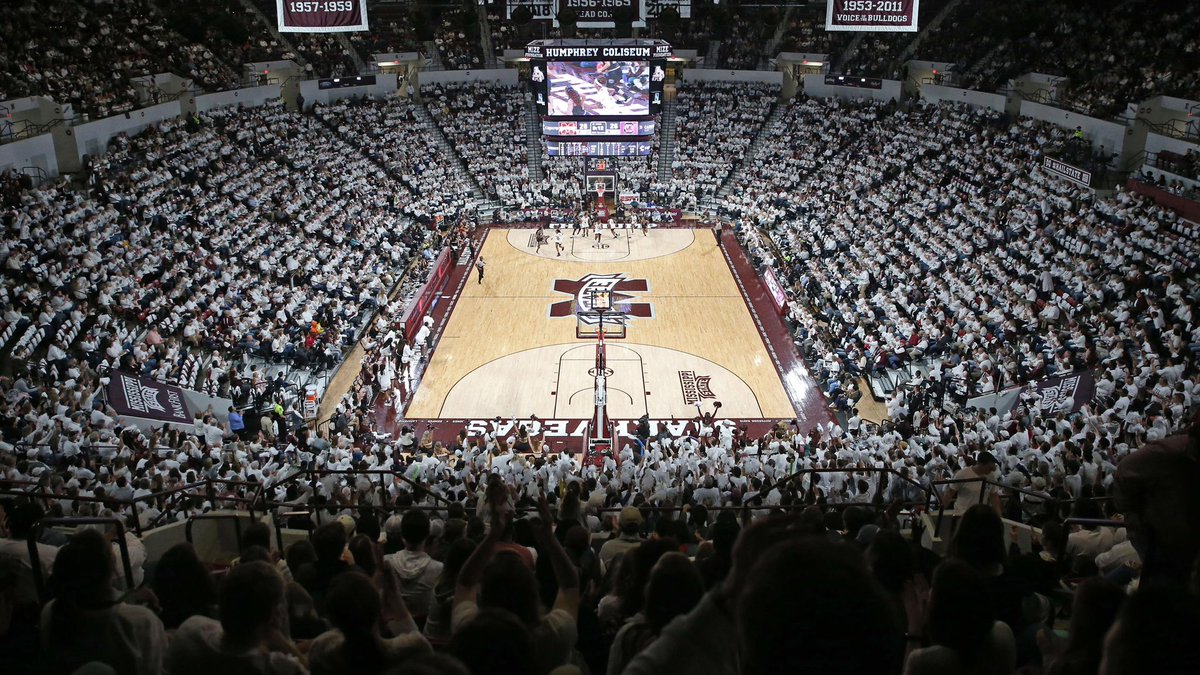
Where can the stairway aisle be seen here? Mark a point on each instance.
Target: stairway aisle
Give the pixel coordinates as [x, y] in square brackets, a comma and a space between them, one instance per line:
[769, 129]
[273, 28]
[772, 46]
[712, 57]
[667, 141]
[485, 36]
[358, 60]
[847, 53]
[447, 148]
[936, 21]
[435, 55]
[533, 144]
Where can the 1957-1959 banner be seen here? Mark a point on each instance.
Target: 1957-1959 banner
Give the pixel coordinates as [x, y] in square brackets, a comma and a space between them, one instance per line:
[321, 16]
[893, 16]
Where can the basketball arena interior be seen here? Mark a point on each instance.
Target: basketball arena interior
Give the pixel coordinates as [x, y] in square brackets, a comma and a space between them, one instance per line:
[600, 336]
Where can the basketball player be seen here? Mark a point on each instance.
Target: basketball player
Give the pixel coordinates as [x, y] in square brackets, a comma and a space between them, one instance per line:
[479, 265]
[645, 226]
[583, 222]
[558, 243]
[598, 233]
[540, 237]
[577, 228]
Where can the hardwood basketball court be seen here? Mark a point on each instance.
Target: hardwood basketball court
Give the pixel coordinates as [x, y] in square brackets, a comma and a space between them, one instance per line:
[509, 347]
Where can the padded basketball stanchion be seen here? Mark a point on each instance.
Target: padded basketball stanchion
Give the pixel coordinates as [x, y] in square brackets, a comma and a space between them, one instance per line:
[600, 440]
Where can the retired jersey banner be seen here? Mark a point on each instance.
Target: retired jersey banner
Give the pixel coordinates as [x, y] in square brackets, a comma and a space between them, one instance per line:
[134, 396]
[890, 16]
[321, 16]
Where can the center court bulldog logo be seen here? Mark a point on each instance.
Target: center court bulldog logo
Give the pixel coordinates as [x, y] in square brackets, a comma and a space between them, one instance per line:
[582, 291]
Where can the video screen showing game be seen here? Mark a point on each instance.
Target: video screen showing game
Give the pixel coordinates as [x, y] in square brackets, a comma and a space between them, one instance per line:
[598, 88]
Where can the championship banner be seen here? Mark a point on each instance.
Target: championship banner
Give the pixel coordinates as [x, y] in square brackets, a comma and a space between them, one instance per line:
[321, 16]
[1066, 393]
[599, 13]
[652, 8]
[887, 16]
[133, 396]
[541, 10]
[1071, 173]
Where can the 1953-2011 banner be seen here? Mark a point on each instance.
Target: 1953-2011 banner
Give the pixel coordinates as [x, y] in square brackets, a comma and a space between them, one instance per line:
[321, 16]
[892, 16]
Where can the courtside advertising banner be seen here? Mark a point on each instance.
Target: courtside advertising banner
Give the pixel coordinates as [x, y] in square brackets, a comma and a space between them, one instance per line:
[889, 16]
[321, 16]
[133, 396]
[775, 290]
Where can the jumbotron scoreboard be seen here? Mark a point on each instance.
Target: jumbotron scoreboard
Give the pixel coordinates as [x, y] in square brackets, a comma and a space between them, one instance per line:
[598, 98]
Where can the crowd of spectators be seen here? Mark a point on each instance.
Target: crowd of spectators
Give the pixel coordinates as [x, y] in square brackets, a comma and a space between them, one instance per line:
[1159, 53]
[1044, 281]
[742, 39]
[323, 54]
[506, 34]
[973, 37]
[471, 557]
[457, 40]
[485, 123]
[222, 31]
[691, 33]
[906, 234]
[877, 54]
[197, 246]
[715, 125]
[1175, 186]
[83, 53]
[393, 31]
[806, 34]
[1186, 165]
[562, 183]
[387, 130]
[63, 50]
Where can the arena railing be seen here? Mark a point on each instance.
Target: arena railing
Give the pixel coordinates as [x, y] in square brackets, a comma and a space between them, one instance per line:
[1095, 522]
[237, 523]
[170, 501]
[309, 510]
[312, 475]
[894, 508]
[1006, 492]
[35, 559]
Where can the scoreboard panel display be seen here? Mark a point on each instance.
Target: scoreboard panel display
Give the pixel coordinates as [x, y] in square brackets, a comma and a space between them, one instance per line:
[557, 148]
[598, 88]
[605, 82]
[594, 128]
